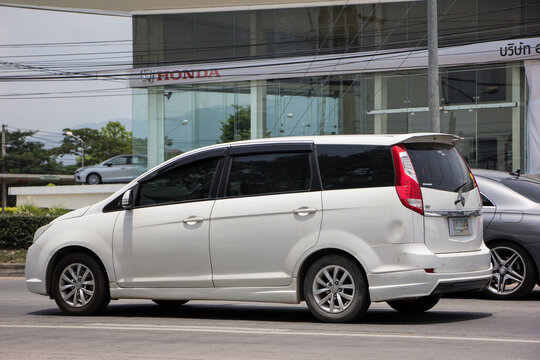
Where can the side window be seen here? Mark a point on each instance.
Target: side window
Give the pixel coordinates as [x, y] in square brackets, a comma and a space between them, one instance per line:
[184, 183]
[121, 160]
[138, 160]
[486, 201]
[269, 174]
[355, 166]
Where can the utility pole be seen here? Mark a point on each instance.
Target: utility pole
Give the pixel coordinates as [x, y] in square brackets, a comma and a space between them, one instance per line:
[4, 195]
[433, 67]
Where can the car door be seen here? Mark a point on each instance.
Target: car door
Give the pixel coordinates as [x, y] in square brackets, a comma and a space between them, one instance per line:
[163, 241]
[268, 215]
[115, 169]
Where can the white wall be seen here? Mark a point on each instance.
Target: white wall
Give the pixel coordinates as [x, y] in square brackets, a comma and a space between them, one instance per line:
[66, 196]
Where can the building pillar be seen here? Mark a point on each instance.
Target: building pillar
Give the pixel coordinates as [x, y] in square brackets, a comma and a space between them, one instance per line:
[517, 131]
[380, 103]
[156, 126]
[258, 109]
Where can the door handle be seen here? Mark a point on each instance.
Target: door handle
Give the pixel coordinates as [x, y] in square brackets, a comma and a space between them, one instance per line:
[304, 211]
[192, 220]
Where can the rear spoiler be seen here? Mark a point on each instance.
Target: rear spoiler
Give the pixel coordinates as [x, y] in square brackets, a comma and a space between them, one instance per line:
[428, 138]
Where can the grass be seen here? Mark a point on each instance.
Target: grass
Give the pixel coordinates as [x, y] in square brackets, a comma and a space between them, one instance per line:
[34, 210]
[13, 256]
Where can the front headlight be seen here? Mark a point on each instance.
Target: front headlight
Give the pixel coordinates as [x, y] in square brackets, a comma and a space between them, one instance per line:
[40, 232]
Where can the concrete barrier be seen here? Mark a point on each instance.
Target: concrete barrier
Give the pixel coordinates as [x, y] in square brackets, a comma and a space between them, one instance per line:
[63, 196]
[11, 270]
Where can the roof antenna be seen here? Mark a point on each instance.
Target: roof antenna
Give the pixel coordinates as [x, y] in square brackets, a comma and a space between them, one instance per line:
[516, 173]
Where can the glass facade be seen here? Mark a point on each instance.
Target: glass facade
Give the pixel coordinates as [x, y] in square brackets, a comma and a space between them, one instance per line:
[485, 104]
[240, 35]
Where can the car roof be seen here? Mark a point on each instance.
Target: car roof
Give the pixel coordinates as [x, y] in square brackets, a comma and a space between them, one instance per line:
[500, 175]
[383, 140]
[390, 139]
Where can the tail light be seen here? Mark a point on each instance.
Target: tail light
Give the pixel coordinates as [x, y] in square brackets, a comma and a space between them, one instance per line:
[471, 175]
[407, 186]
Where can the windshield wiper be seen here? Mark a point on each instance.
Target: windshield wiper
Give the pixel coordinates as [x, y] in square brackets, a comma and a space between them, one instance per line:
[460, 198]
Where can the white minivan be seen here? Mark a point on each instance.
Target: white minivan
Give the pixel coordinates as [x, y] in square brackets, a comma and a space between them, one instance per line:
[336, 221]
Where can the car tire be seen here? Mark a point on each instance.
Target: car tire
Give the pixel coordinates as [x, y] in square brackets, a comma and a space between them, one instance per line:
[335, 289]
[79, 285]
[417, 305]
[93, 179]
[170, 303]
[514, 272]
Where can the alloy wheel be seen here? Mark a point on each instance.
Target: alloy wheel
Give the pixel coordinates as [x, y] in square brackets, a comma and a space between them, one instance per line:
[76, 285]
[93, 179]
[509, 270]
[333, 289]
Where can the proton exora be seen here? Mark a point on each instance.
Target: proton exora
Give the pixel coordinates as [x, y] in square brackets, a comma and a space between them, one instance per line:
[335, 221]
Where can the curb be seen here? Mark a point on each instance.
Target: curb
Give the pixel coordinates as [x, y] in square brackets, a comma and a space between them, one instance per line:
[11, 270]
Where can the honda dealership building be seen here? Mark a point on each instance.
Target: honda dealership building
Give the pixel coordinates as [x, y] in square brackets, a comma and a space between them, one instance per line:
[213, 71]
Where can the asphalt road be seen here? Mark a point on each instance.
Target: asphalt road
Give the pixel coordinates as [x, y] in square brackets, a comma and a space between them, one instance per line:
[466, 327]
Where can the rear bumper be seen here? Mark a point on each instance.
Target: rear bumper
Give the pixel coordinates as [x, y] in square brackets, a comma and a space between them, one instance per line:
[464, 285]
[452, 272]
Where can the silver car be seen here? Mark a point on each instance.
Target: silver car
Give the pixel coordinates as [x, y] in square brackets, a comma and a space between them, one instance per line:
[121, 168]
[512, 231]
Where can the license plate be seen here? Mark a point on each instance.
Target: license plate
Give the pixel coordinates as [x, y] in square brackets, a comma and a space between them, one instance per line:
[459, 226]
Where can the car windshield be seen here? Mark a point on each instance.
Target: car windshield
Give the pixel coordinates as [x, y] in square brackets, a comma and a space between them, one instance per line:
[529, 189]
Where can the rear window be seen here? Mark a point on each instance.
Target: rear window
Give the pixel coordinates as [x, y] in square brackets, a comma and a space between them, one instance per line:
[355, 166]
[440, 166]
[528, 189]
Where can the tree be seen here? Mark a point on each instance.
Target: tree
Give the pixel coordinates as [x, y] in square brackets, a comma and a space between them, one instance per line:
[111, 140]
[242, 118]
[29, 157]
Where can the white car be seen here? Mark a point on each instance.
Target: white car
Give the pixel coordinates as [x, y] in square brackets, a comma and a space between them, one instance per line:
[120, 168]
[337, 221]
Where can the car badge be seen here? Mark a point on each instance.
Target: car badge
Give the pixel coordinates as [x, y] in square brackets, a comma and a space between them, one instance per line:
[460, 199]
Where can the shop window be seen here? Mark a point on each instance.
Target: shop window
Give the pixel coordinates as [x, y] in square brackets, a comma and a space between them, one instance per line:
[492, 85]
[179, 38]
[459, 87]
[296, 31]
[214, 35]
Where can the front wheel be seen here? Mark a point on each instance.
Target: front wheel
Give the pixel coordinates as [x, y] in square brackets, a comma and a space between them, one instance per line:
[79, 285]
[417, 305]
[335, 289]
[93, 179]
[514, 273]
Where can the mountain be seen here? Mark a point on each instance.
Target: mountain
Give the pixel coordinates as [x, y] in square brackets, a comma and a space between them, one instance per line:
[98, 125]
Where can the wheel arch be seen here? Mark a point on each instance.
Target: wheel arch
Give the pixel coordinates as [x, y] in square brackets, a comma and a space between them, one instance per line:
[311, 258]
[61, 253]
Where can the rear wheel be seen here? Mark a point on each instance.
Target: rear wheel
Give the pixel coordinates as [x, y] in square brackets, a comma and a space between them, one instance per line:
[417, 305]
[79, 285]
[93, 179]
[335, 289]
[514, 273]
[170, 303]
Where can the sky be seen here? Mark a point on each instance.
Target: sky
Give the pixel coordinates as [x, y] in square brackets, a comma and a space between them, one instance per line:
[49, 42]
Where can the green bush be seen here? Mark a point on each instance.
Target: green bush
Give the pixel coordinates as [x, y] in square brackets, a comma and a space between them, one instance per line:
[17, 231]
[35, 210]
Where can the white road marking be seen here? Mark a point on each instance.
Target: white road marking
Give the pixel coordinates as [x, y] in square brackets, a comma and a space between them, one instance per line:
[262, 331]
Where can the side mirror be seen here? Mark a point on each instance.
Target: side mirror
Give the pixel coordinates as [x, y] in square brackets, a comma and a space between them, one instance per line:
[108, 164]
[127, 200]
